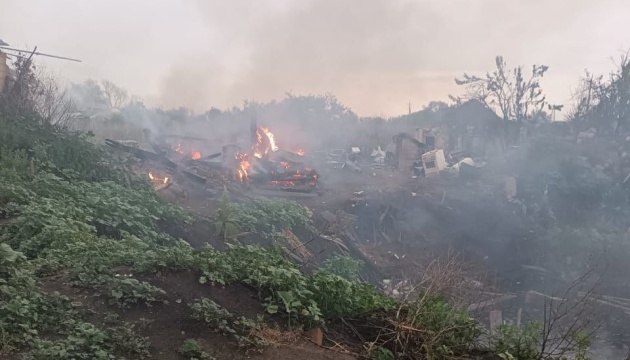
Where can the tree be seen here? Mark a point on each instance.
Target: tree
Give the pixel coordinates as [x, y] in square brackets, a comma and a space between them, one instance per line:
[89, 97]
[606, 104]
[34, 90]
[507, 91]
[116, 96]
[585, 97]
[435, 106]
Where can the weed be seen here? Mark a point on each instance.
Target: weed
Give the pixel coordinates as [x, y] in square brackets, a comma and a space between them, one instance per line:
[381, 353]
[262, 216]
[213, 314]
[190, 350]
[582, 344]
[125, 293]
[127, 341]
[344, 266]
[284, 288]
[522, 344]
[246, 332]
[85, 342]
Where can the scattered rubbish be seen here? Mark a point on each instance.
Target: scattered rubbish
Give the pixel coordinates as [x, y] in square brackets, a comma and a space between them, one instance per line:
[379, 156]
[433, 162]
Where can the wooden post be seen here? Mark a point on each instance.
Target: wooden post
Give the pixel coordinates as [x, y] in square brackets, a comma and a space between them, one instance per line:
[496, 319]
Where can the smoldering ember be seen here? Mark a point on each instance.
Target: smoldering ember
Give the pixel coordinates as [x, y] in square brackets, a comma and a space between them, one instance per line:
[492, 226]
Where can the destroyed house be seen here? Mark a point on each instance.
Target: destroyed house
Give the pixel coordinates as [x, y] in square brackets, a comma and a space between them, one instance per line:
[472, 128]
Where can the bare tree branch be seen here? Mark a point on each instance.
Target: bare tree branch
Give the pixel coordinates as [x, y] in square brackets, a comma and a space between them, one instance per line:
[116, 96]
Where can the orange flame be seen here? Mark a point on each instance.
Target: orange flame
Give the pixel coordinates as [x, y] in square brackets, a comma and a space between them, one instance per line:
[195, 155]
[156, 179]
[272, 141]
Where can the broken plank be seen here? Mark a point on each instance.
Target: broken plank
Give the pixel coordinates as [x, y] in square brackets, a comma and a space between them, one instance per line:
[492, 302]
[195, 177]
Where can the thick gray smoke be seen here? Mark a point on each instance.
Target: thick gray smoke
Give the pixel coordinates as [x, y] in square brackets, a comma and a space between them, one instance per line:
[376, 56]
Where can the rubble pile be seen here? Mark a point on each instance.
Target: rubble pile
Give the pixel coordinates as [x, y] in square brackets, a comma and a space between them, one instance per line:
[264, 166]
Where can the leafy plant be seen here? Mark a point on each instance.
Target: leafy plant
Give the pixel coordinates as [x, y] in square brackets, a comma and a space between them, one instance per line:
[344, 266]
[127, 341]
[191, 351]
[582, 344]
[239, 328]
[127, 292]
[227, 218]
[212, 314]
[381, 353]
[522, 344]
[262, 216]
[448, 331]
[86, 342]
[284, 288]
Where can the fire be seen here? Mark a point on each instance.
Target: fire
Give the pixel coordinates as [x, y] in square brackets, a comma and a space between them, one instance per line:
[272, 141]
[265, 142]
[274, 170]
[283, 183]
[157, 179]
[195, 155]
[178, 149]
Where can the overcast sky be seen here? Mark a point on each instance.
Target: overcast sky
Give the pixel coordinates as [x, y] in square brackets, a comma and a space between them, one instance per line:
[375, 55]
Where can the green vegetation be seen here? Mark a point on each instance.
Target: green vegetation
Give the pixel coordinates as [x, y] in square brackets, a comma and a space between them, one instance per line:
[190, 350]
[241, 329]
[511, 341]
[284, 288]
[344, 266]
[266, 218]
[69, 208]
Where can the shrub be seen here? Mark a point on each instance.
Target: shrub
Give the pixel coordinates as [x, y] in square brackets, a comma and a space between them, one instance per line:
[522, 344]
[344, 266]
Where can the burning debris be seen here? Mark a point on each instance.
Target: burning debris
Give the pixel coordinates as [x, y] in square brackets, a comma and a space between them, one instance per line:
[159, 182]
[270, 167]
[264, 165]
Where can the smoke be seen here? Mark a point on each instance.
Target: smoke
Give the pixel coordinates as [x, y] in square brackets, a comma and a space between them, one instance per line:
[376, 56]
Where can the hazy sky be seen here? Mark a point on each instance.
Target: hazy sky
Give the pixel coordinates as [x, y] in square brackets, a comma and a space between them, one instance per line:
[375, 55]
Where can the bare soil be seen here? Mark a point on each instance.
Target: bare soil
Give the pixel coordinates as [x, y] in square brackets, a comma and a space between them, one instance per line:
[168, 324]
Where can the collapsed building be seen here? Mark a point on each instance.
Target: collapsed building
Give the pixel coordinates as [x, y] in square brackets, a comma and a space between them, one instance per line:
[469, 130]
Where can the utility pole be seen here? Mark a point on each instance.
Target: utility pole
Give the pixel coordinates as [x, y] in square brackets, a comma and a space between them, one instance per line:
[253, 129]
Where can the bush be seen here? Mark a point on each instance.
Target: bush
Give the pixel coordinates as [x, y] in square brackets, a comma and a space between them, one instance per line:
[522, 344]
[344, 266]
